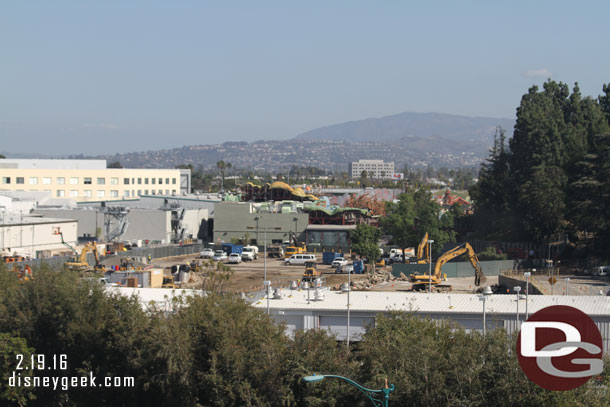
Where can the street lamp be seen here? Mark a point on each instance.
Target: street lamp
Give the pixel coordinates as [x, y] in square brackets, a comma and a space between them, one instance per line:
[369, 393]
[486, 293]
[517, 290]
[265, 281]
[430, 265]
[349, 288]
[527, 275]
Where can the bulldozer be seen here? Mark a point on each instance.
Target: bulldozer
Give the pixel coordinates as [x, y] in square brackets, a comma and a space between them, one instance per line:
[311, 272]
[422, 281]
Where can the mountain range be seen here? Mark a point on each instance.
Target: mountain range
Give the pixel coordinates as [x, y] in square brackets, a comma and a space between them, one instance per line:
[413, 139]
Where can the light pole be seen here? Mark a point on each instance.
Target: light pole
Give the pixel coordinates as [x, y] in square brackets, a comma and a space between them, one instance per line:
[430, 265]
[266, 283]
[486, 293]
[527, 275]
[349, 288]
[517, 290]
[369, 393]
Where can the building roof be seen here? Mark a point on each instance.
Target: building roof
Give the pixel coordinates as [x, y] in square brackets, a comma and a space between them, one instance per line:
[161, 298]
[331, 227]
[52, 164]
[379, 301]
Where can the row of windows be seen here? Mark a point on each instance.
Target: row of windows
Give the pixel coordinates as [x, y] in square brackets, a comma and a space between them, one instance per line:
[60, 193]
[87, 180]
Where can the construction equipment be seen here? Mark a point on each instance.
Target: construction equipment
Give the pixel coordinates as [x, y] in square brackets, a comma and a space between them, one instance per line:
[421, 281]
[275, 250]
[79, 262]
[24, 274]
[295, 248]
[311, 272]
[423, 251]
[168, 282]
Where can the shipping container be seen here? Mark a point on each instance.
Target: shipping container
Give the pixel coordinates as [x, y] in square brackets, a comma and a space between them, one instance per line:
[328, 257]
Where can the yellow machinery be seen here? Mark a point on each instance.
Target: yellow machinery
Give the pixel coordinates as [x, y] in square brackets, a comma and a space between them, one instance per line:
[421, 281]
[311, 272]
[80, 262]
[295, 248]
[423, 251]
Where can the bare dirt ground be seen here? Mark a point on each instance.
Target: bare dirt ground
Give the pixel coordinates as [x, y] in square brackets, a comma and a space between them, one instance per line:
[249, 276]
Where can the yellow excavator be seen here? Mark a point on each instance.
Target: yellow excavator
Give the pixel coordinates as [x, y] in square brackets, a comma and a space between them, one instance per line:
[421, 249]
[421, 281]
[80, 262]
[295, 248]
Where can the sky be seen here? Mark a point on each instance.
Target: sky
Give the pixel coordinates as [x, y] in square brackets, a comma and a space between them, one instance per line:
[96, 77]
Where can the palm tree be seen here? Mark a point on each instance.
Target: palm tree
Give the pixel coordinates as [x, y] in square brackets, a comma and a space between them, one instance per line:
[221, 165]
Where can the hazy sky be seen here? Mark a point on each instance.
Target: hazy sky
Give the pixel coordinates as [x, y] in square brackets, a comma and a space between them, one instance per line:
[107, 76]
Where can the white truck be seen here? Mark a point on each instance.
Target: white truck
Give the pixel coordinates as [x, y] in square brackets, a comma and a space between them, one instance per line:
[249, 253]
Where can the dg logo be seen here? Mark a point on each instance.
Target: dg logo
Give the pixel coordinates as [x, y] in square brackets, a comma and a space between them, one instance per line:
[560, 348]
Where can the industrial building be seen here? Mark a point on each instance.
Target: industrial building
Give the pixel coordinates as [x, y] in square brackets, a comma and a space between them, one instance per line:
[238, 220]
[376, 169]
[90, 180]
[31, 236]
[327, 310]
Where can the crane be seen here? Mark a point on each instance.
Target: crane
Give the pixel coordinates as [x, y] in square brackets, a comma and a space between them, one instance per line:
[421, 281]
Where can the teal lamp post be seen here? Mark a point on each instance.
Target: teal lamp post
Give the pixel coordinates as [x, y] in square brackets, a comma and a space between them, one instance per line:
[373, 395]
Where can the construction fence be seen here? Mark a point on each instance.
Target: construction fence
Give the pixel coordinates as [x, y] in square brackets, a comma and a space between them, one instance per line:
[453, 269]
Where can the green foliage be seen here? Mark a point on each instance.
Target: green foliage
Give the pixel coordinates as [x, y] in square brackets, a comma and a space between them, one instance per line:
[365, 242]
[491, 254]
[10, 347]
[528, 191]
[414, 215]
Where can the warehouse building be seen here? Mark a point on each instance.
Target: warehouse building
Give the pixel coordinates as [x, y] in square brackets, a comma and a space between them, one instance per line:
[327, 310]
[90, 180]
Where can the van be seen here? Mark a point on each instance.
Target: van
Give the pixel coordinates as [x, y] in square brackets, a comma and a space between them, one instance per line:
[300, 259]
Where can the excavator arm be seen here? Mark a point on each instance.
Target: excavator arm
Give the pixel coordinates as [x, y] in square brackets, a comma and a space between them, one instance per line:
[422, 246]
[479, 277]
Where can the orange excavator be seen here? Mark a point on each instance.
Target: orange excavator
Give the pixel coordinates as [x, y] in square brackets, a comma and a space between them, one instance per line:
[421, 281]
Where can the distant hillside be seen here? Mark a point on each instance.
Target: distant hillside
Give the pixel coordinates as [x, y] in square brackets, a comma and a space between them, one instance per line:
[434, 132]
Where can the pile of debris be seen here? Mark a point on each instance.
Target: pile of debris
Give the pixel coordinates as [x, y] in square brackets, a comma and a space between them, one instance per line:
[379, 276]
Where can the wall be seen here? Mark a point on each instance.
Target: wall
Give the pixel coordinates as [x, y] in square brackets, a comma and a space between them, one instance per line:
[28, 238]
[231, 220]
[454, 269]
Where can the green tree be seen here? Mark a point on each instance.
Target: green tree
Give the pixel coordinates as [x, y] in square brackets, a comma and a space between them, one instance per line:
[365, 242]
[14, 350]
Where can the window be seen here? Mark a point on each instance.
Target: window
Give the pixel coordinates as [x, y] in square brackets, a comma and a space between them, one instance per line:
[114, 181]
[46, 180]
[60, 180]
[174, 181]
[167, 180]
[139, 192]
[167, 192]
[74, 193]
[152, 181]
[20, 180]
[153, 192]
[114, 194]
[173, 192]
[139, 181]
[126, 181]
[160, 181]
[146, 192]
[126, 194]
[101, 193]
[33, 180]
[146, 181]
[101, 181]
[133, 180]
[6, 180]
[87, 181]
[87, 193]
[160, 192]
[73, 180]
[61, 193]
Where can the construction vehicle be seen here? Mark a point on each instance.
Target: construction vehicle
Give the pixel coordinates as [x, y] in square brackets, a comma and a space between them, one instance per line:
[423, 252]
[295, 248]
[311, 272]
[422, 281]
[24, 274]
[275, 250]
[168, 282]
[79, 262]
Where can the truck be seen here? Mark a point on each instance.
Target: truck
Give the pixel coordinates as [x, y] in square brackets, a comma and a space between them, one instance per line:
[230, 248]
[249, 253]
[275, 250]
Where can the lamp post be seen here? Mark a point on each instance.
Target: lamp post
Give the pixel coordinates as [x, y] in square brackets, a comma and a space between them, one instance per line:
[430, 265]
[379, 398]
[266, 283]
[517, 290]
[349, 288]
[486, 293]
[527, 275]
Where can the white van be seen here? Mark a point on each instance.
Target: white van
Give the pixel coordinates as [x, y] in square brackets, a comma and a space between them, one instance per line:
[300, 259]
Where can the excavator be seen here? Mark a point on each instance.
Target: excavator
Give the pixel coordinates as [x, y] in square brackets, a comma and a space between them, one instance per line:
[421, 249]
[295, 248]
[421, 281]
[80, 262]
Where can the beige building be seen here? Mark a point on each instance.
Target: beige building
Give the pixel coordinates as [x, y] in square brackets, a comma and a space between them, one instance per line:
[90, 180]
[377, 169]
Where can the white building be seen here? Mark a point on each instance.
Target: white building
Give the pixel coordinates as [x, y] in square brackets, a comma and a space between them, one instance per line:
[90, 180]
[330, 312]
[26, 236]
[376, 169]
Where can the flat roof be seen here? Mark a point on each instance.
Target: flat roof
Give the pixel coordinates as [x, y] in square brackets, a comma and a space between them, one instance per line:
[382, 301]
[330, 227]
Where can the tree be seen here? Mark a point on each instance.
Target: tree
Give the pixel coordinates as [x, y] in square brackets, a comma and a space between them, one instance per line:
[365, 242]
[115, 164]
